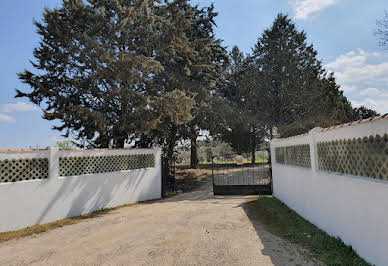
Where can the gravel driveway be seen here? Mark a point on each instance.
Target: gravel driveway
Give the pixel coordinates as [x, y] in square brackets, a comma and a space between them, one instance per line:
[193, 228]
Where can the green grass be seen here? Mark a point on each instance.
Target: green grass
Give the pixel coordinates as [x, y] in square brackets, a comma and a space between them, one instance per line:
[284, 222]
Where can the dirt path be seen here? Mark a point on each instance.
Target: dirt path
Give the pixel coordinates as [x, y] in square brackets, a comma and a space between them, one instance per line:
[194, 228]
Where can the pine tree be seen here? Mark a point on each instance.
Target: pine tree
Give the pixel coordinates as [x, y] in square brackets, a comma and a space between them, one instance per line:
[235, 110]
[95, 70]
[293, 91]
[198, 73]
[290, 73]
[282, 84]
[207, 77]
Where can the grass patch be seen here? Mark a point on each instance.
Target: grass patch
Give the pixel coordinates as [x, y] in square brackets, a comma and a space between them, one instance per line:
[278, 219]
[37, 229]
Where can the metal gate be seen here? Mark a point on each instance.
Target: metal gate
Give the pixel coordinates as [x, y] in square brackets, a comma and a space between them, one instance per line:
[234, 174]
[168, 176]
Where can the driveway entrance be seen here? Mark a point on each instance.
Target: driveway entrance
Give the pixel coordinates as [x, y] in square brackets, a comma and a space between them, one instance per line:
[195, 228]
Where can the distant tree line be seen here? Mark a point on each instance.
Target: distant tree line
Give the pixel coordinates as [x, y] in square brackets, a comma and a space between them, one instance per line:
[147, 72]
[281, 84]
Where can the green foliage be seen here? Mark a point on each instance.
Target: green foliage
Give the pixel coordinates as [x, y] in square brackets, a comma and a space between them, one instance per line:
[199, 74]
[205, 148]
[288, 73]
[97, 67]
[209, 154]
[234, 109]
[65, 144]
[152, 72]
[362, 113]
[282, 84]
[284, 222]
[297, 93]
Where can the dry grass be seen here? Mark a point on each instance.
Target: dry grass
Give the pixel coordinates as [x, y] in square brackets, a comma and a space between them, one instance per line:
[37, 229]
[198, 174]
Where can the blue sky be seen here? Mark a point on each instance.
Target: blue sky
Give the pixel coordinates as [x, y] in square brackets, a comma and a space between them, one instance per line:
[341, 31]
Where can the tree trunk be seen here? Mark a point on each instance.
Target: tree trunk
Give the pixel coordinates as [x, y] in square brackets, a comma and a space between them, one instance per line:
[253, 156]
[120, 143]
[171, 142]
[170, 149]
[194, 154]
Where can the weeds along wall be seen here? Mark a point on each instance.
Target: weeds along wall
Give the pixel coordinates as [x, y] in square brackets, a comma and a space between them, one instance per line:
[337, 178]
[46, 185]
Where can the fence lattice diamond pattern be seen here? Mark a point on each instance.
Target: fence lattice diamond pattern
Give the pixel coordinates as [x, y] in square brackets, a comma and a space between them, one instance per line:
[72, 166]
[23, 169]
[362, 157]
[298, 155]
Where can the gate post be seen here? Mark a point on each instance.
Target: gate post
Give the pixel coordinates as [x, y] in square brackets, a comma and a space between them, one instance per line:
[163, 175]
[53, 157]
[270, 166]
[313, 149]
[213, 170]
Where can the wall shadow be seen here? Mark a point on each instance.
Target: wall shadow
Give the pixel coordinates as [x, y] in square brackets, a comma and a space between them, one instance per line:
[280, 251]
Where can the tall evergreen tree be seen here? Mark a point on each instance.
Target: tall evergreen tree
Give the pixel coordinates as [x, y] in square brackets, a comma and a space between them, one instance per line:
[95, 69]
[282, 84]
[290, 73]
[235, 110]
[199, 73]
[296, 92]
[212, 59]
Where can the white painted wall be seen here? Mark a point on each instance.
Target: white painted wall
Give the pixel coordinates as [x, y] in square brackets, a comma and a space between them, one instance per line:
[351, 207]
[33, 202]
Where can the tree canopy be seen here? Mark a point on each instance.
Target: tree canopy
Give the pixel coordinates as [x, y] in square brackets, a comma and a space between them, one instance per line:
[97, 68]
[281, 84]
[152, 72]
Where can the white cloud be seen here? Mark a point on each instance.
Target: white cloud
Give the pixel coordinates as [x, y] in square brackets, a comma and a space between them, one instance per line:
[373, 92]
[379, 104]
[7, 118]
[348, 88]
[357, 66]
[304, 8]
[354, 58]
[18, 107]
[363, 77]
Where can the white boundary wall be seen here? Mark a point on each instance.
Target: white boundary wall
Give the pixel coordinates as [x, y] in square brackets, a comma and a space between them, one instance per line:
[351, 207]
[33, 202]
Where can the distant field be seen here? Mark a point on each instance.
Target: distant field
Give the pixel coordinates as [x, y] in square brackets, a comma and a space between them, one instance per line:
[246, 161]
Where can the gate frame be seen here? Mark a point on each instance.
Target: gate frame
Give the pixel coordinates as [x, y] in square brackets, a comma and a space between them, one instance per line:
[168, 176]
[244, 190]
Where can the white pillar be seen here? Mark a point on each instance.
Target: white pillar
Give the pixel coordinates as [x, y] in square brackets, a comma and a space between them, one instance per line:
[314, 149]
[53, 157]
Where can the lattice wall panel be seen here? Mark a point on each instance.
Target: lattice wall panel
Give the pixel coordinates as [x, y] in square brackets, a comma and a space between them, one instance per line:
[362, 157]
[23, 169]
[298, 155]
[72, 166]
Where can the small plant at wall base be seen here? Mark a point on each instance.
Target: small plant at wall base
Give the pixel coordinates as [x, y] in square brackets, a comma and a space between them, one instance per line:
[284, 222]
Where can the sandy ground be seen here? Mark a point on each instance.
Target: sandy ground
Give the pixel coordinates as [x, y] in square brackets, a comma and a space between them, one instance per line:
[193, 228]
